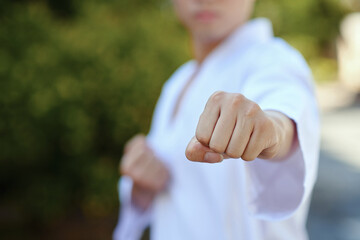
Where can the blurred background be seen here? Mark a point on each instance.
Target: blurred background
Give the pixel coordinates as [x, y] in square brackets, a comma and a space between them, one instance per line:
[78, 78]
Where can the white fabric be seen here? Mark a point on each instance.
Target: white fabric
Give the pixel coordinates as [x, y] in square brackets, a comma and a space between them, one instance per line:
[259, 200]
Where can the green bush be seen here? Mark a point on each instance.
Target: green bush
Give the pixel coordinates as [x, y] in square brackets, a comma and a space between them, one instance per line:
[73, 90]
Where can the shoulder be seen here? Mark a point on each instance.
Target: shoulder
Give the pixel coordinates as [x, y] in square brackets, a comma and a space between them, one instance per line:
[276, 61]
[279, 59]
[277, 52]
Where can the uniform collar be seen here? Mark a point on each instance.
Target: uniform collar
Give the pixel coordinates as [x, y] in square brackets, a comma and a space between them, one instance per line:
[252, 32]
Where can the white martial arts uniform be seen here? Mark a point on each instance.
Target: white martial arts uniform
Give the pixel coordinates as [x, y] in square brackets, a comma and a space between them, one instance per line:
[258, 200]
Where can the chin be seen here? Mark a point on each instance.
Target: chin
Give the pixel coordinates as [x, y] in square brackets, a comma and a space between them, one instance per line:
[210, 34]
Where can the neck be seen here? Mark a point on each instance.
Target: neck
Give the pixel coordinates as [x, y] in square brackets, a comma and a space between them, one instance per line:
[203, 48]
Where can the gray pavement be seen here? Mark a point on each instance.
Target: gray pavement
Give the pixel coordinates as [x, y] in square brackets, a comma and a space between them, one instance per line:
[335, 208]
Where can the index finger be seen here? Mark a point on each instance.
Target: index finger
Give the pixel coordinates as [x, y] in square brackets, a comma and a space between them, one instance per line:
[207, 121]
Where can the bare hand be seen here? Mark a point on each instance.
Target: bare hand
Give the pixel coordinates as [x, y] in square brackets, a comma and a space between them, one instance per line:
[233, 126]
[149, 174]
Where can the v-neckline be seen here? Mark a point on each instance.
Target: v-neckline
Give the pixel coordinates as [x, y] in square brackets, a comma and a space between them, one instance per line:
[185, 88]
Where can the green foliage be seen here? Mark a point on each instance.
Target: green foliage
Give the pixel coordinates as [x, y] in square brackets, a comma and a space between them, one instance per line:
[79, 78]
[71, 93]
[311, 27]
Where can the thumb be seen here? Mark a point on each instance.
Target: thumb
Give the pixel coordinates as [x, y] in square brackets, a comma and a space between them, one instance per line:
[197, 152]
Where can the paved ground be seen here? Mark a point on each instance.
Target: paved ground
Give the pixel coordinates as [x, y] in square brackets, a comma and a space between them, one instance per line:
[335, 209]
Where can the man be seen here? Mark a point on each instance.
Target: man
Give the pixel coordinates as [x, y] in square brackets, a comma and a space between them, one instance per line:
[246, 96]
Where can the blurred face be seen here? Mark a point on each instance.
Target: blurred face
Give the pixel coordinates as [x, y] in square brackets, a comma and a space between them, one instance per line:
[212, 20]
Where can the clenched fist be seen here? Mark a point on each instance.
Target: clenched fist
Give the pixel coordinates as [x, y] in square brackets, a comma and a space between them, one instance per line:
[149, 174]
[233, 126]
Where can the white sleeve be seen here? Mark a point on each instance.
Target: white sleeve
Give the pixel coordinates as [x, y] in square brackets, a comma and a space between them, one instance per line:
[276, 189]
[132, 221]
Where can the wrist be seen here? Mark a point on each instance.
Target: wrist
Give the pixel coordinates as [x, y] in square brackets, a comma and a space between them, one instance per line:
[284, 129]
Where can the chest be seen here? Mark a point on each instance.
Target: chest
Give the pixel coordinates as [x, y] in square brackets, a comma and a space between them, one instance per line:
[191, 95]
[187, 97]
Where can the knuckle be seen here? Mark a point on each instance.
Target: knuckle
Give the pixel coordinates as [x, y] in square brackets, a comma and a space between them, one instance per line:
[142, 146]
[135, 141]
[237, 100]
[252, 110]
[144, 154]
[216, 96]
